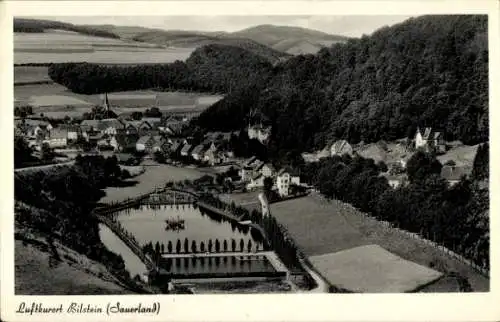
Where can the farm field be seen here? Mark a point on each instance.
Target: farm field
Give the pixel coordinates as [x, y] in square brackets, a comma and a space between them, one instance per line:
[63, 46]
[56, 101]
[154, 176]
[25, 74]
[338, 226]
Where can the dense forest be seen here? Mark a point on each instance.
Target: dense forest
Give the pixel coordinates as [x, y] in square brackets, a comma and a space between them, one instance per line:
[212, 68]
[39, 26]
[427, 71]
[456, 217]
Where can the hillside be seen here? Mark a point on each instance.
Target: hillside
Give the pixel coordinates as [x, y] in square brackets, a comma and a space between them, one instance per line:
[199, 39]
[40, 26]
[162, 45]
[58, 245]
[212, 68]
[427, 71]
[291, 40]
[37, 272]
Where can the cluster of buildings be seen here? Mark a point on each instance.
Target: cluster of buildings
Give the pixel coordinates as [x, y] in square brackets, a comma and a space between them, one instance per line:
[427, 140]
[118, 134]
[253, 172]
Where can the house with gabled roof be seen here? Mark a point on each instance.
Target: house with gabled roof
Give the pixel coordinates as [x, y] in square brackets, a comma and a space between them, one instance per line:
[145, 143]
[57, 138]
[430, 140]
[256, 182]
[284, 179]
[453, 174]
[154, 122]
[186, 149]
[212, 155]
[111, 126]
[198, 152]
[266, 169]
[340, 148]
[176, 147]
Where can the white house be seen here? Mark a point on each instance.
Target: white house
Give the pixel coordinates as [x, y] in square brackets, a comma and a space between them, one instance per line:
[340, 148]
[283, 182]
[197, 152]
[430, 140]
[111, 126]
[57, 138]
[143, 143]
[245, 173]
[259, 132]
[266, 169]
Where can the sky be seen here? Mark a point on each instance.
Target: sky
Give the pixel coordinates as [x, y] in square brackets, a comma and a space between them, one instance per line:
[351, 26]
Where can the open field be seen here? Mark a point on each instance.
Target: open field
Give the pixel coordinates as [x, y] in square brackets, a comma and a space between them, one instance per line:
[55, 100]
[25, 74]
[321, 227]
[63, 46]
[372, 269]
[154, 176]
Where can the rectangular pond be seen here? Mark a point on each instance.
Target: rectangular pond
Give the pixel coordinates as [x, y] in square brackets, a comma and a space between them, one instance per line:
[148, 224]
[226, 265]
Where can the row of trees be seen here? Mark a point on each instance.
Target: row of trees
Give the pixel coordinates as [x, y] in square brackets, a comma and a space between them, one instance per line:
[194, 247]
[456, 216]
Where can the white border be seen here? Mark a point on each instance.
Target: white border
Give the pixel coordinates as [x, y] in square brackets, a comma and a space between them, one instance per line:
[299, 307]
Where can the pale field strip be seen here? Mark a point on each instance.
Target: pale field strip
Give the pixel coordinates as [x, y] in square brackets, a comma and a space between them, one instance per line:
[372, 269]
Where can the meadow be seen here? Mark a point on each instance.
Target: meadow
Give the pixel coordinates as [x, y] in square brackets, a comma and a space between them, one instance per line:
[156, 175]
[338, 226]
[63, 46]
[57, 101]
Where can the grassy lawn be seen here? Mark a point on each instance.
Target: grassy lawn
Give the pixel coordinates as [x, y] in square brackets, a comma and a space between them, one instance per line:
[321, 227]
[154, 176]
[248, 200]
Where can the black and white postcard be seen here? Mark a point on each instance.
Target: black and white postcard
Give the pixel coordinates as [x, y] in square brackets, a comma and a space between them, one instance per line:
[227, 161]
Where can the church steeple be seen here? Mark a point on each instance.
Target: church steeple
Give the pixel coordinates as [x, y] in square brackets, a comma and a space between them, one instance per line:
[106, 102]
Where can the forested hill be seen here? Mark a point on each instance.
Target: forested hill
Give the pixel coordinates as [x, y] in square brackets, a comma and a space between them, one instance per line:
[426, 71]
[213, 68]
[40, 26]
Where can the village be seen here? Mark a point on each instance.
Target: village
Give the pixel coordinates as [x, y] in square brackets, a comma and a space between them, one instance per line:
[163, 139]
[156, 139]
